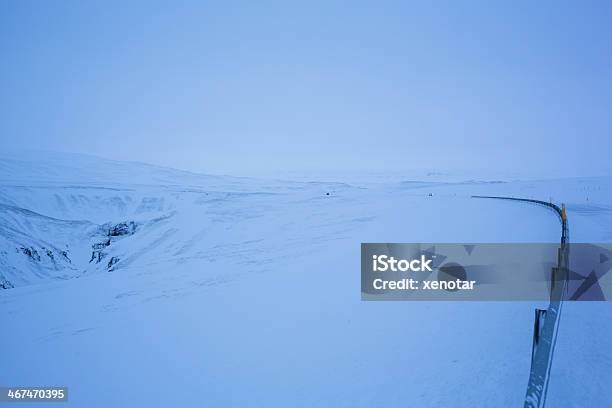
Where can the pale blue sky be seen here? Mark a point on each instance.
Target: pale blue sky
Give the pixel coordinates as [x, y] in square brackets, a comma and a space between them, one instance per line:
[251, 87]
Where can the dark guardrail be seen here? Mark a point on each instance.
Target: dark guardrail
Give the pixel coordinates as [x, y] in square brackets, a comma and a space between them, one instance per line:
[547, 320]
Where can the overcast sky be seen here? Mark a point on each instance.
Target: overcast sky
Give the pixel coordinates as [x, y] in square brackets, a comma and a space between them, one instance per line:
[251, 87]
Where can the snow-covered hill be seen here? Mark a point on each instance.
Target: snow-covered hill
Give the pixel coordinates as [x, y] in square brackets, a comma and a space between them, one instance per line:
[65, 216]
[131, 282]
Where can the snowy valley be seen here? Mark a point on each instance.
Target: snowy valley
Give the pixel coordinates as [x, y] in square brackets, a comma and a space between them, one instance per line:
[141, 283]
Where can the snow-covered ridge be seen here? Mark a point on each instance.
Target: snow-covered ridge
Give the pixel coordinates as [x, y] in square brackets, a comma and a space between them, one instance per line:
[64, 215]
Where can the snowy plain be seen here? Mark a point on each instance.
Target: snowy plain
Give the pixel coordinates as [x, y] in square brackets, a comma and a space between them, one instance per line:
[237, 292]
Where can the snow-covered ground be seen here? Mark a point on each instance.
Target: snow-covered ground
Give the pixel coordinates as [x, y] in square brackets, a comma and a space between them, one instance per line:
[136, 285]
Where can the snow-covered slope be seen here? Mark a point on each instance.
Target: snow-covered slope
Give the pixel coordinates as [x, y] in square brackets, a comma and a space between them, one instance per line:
[136, 285]
[65, 216]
